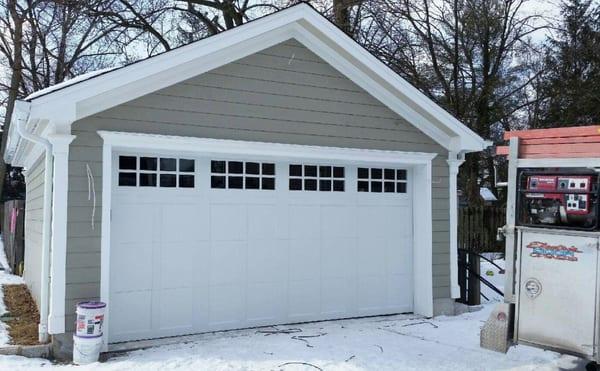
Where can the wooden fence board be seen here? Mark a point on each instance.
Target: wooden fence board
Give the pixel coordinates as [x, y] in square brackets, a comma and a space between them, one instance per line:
[478, 227]
[577, 131]
[13, 224]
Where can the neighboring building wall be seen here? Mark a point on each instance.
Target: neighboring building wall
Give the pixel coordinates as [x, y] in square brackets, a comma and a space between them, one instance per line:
[285, 94]
[34, 211]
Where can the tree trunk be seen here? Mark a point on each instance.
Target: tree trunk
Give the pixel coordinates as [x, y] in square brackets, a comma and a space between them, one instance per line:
[341, 14]
[15, 82]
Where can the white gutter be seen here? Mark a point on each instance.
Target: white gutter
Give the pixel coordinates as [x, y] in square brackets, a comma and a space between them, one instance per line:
[47, 225]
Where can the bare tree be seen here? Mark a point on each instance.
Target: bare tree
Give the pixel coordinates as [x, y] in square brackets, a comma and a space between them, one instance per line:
[44, 42]
[11, 53]
[464, 54]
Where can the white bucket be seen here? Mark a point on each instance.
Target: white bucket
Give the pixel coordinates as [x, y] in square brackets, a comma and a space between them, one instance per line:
[90, 317]
[86, 350]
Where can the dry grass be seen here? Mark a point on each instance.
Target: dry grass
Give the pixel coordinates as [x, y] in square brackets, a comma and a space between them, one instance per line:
[22, 317]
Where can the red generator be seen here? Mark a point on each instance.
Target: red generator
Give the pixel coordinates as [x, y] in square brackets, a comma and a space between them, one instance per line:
[566, 199]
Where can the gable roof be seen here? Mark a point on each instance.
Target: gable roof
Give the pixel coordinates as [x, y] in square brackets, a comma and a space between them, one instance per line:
[95, 92]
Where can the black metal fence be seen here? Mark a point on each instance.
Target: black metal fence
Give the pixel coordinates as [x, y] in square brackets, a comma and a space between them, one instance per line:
[477, 233]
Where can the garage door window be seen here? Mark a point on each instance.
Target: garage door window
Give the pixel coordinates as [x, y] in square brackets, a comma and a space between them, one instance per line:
[163, 172]
[315, 177]
[242, 175]
[377, 180]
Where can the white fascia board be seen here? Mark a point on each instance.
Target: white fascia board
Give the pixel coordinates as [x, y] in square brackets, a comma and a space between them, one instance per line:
[154, 142]
[26, 152]
[20, 112]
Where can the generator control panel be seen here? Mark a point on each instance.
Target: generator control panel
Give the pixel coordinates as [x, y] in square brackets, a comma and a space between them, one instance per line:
[568, 200]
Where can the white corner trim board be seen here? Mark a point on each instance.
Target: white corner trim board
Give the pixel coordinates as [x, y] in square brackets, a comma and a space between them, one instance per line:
[419, 162]
[58, 265]
[454, 162]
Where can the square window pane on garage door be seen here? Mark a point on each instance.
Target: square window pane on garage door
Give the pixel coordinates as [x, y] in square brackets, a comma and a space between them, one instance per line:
[381, 180]
[323, 178]
[154, 171]
[249, 175]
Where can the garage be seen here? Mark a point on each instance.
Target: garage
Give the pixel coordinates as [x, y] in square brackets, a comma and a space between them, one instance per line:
[206, 242]
[270, 174]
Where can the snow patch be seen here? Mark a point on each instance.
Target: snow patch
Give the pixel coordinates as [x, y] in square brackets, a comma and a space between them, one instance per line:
[402, 342]
[69, 82]
[491, 273]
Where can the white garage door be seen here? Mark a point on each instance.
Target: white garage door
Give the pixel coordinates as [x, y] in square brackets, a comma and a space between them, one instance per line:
[200, 243]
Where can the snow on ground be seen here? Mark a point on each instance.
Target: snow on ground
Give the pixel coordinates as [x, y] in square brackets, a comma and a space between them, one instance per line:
[493, 275]
[5, 278]
[402, 342]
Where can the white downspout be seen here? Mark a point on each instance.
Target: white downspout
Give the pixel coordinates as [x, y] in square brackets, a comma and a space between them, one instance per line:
[454, 161]
[47, 227]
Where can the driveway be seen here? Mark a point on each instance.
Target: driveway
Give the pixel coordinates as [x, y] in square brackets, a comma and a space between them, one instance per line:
[403, 342]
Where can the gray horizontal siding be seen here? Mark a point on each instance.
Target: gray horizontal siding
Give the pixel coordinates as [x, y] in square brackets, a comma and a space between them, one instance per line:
[285, 94]
[34, 211]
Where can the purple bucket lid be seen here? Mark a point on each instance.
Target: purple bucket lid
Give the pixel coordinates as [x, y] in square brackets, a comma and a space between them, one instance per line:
[91, 304]
[86, 336]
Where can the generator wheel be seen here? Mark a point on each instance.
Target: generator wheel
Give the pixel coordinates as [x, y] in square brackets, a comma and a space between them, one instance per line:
[592, 366]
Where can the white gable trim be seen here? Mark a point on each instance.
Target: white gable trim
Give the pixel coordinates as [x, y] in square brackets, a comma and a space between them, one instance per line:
[300, 22]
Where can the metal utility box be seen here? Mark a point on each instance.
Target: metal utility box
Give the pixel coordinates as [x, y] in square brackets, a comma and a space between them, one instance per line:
[557, 291]
[552, 234]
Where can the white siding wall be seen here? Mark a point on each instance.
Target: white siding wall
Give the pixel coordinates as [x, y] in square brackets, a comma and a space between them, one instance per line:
[34, 205]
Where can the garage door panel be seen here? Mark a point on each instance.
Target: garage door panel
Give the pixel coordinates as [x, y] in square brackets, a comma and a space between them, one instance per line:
[304, 259]
[184, 223]
[338, 257]
[134, 266]
[304, 222]
[373, 221]
[134, 223]
[265, 302]
[227, 262]
[176, 310]
[372, 256]
[399, 291]
[228, 222]
[125, 327]
[177, 265]
[201, 263]
[335, 297]
[338, 221]
[372, 294]
[201, 308]
[399, 257]
[304, 299]
[226, 306]
[267, 261]
[262, 221]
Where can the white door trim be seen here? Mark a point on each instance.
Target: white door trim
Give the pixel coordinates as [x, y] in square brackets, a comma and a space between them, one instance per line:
[238, 147]
[421, 162]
